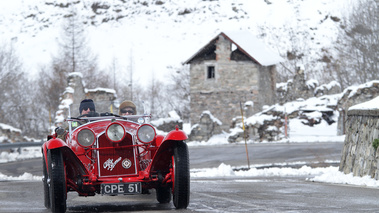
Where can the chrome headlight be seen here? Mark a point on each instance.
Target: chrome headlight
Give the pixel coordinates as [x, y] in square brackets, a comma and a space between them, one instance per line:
[86, 137]
[146, 133]
[115, 132]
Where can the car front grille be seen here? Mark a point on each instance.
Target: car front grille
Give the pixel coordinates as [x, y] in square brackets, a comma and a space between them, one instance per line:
[115, 159]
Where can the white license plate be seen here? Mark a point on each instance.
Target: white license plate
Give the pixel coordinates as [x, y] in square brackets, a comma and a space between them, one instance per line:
[121, 188]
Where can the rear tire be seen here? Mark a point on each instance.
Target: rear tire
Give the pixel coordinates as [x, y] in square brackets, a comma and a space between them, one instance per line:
[45, 184]
[57, 181]
[181, 179]
[163, 194]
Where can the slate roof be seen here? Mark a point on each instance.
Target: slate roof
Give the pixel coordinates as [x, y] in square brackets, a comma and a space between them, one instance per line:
[247, 43]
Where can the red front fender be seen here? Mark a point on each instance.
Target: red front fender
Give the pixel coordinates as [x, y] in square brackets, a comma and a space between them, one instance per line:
[176, 135]
[163, 156]
[55, 143]
[69, 157]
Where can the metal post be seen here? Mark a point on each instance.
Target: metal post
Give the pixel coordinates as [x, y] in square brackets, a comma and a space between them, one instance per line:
[244, 135]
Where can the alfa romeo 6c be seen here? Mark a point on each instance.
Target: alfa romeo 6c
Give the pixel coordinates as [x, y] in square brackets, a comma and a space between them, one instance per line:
[109, 154]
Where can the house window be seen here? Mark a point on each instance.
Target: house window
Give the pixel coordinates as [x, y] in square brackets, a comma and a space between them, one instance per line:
[211, 72]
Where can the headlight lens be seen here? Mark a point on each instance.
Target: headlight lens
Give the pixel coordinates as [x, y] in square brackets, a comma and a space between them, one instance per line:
[141, 120]
[146, 133]
[86, 137]
[115, 132]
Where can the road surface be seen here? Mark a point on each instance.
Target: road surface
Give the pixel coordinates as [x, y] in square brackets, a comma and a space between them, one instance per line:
[248, 194]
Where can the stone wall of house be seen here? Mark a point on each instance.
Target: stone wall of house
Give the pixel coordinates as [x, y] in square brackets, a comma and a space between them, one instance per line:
[223, 104]
[267, 87]
[231, 75]
[234, 82]
[358, 155]
[223, 49]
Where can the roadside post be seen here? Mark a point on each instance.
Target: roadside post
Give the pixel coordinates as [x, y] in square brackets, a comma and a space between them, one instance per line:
[285, 123]
[244, 136]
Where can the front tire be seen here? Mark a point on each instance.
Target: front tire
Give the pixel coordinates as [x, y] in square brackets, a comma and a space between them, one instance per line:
[57, 181]
[181, 179]
[46, 194]
[163, 194]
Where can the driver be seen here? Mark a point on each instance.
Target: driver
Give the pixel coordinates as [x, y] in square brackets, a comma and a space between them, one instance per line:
[87, 107]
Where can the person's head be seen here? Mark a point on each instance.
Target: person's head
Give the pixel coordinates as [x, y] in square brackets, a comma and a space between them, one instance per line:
[127, 108]
[86, 106]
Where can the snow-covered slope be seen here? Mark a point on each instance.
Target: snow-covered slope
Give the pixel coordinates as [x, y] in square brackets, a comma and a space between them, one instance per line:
[155, 34]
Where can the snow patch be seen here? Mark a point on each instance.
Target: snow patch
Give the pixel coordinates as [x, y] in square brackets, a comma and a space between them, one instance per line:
[10, 128]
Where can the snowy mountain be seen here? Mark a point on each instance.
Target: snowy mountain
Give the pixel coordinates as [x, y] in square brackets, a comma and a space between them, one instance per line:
[155, 34]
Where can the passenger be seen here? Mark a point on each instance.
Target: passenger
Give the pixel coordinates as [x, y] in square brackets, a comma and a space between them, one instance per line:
[127, 108]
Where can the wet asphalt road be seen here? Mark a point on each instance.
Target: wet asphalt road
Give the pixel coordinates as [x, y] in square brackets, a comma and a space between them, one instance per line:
[256, 194]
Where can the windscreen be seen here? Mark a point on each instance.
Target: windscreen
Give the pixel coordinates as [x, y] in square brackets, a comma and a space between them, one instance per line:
[101, 107]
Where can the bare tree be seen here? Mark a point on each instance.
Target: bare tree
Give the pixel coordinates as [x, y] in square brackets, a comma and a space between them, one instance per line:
[178, 91]
[75, 54]
[126, 86]
[153, 95]
[10, 75]
[17, 106]
[172, 95]
[126, 83]
[358, 45]
[294, 42]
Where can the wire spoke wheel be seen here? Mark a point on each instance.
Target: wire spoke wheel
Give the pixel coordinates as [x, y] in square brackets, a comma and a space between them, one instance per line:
[181, 176]
[57, 181]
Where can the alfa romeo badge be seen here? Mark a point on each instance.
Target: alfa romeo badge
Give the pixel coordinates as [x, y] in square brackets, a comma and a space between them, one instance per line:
[126, 163]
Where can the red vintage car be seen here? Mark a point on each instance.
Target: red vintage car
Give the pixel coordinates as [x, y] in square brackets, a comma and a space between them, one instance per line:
[115, 155]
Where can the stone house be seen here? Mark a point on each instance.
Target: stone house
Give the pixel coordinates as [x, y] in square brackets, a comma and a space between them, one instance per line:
[232, 68]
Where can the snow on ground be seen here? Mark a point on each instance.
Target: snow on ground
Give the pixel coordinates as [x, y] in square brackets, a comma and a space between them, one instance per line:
[23, 154]
[326, 175]
[25, 176]
[322, 133]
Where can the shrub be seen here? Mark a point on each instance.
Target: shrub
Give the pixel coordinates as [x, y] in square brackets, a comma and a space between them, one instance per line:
[375, 144]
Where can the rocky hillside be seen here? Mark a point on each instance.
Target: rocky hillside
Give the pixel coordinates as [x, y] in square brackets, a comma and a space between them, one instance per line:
[141, 30]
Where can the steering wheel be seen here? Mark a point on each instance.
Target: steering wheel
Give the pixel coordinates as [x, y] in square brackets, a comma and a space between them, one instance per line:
[90, 114]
